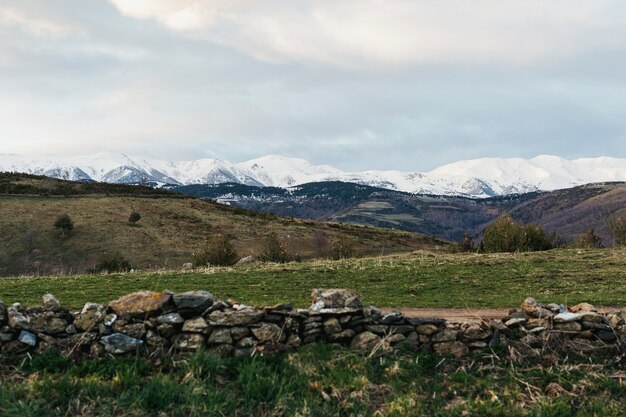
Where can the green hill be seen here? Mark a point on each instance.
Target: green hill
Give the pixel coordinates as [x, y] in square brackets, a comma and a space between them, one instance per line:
[172, 227]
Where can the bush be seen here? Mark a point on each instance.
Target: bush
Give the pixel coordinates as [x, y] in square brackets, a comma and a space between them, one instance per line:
[466, 244]
[274, 250]
[220, 252]
[65, 223]
[134, 217]
[507, 235]
[588, 240]
[618, 227]
[112, 262]
[343, 248]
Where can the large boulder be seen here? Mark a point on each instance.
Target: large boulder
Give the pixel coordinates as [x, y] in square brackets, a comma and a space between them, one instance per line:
[268, 332]
[193, 303]
[334, 298]
[118, 343]
[366, 342]
[39, 320]
[142, 304]
[50, 301]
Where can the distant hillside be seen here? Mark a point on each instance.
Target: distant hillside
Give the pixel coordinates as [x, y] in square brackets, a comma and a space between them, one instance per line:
[171, 229]
[568, 212]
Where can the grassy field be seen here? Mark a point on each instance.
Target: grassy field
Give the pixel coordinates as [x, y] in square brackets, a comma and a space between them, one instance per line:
[318, 380]
[421, 279]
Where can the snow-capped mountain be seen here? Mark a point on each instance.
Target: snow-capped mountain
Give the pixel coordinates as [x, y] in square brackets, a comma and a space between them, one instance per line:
[475, 178]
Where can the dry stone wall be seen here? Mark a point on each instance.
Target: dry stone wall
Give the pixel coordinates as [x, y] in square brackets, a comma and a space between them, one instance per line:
[168, 323]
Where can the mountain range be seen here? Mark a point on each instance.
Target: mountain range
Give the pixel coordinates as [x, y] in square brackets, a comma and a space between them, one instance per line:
[477, 178]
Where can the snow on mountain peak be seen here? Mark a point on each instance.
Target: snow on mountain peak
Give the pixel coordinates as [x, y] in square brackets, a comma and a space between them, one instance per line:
[479, 178]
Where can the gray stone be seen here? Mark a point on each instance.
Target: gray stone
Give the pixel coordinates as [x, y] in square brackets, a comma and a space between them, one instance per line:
[515, 322]
[39, 320]
[475, 332]
[269, 332]
[239, 332]
[141, 304]
[166, 330]
[583, 307]
[535, 309]
[366, 342]
[50, 301]
[446, 335]
[293, 341]
[189, 341]
[378, 328]
[247, 342]
[246, 261]
[394, 317]
[587, 325]
[118, 343]
[235, 318]
[153, 339]
[187, 266]
[6, 337]
[134, 330]
[536, 330]
[71, 329]
[395, 338]
[335, 298]
[477, 345]
[170, 318]
[342, 336]
[418, 321]
[27, 338]
[427, 329]
[456, 349]
[196, 325]
[606, 336]
[567, 317]
[592, 317]
[193, 303]
[569, 326]
[220, 336]
[332, 326]
[244, 352]
[400, 328]
[223, 350]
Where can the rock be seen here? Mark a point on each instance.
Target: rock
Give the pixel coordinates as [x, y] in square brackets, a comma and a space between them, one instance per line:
[606, 336]
[495, 339]
[27, 338]
[220, 336]
[118, 343]
[378, 328]
[515, 322]
[366, 342]
[615, 320]
[583, 307]
[90, 317]
[141, 304]
[196, 325]
[235, 318]
[592, 317]
[418, 321]
[15, 347]
[189, 341]
[535, 309]
[244, 352]
[477, 345]
[50, 301]
[4, 317]
[395, 338]
[342, 336]
[153, 339]
[335, 298]
[170, 318]
[39, 320]
[536, 330]
[567, 317]
[392, 318]
[246, 261]
[247, 342]
[187, 266]
[475, 332]
[6, 335]
[588, 325]
[293, 341]
[134, 330]
[193, 303]
[568, 326]
[271, 349]
[533, 323]
[166, 330]
[332, 326]
[427, 329]
[446, 335]
[456, 349]
[268, 332]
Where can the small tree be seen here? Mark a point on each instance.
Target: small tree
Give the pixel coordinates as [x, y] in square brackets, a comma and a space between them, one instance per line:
[65, 223]
[466, 244]
[134, 217]
[343, 248]
[321, 241]
[219, 252]
[618, 227]
[274, 250]
[588, 240]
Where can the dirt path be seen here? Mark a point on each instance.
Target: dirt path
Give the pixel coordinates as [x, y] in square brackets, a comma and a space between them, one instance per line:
[457, 315]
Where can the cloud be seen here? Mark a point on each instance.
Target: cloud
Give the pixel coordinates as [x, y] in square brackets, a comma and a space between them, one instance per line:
[35, 26]
[354, 33]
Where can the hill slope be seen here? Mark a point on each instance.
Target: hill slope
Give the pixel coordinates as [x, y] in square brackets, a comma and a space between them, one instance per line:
[171, 229]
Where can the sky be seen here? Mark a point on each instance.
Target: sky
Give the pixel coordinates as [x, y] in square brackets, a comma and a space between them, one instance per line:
[358, 84]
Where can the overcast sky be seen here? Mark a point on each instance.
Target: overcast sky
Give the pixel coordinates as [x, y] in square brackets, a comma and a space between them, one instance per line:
[359, 84]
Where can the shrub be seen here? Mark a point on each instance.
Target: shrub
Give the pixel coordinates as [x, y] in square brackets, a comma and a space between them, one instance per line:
[343, 248]
[112, 262]
[65, 223]
[588, 240]
[507, 235]
[134, 217]
[274, 250]
[466, 244]
[219, 252]
[618, 227]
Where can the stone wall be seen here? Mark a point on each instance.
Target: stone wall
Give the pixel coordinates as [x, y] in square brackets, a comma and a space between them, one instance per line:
[168, 323]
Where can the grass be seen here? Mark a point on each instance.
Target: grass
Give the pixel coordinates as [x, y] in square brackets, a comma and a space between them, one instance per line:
[318, 380]
[421, 279]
